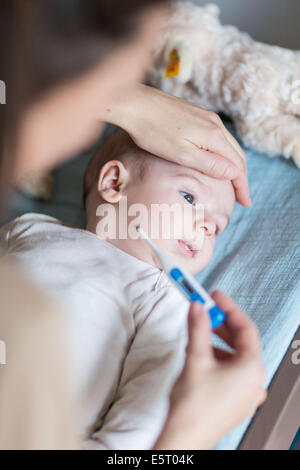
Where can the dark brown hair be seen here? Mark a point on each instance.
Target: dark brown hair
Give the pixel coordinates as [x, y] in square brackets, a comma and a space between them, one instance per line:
[44, 42]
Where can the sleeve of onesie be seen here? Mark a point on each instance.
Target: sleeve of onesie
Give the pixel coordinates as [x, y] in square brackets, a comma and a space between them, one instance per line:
[153, 363]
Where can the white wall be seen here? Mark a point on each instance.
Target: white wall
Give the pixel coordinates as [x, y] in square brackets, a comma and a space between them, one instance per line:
[272, 21]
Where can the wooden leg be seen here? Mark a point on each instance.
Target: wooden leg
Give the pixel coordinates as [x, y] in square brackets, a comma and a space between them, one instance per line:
[275, 424]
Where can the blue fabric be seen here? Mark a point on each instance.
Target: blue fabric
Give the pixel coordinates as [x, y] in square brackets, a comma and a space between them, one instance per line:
[296, 442]
[256, 260]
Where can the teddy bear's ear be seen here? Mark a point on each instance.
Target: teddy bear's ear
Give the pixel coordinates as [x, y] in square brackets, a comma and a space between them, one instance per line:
[212, 9]
[178, 60]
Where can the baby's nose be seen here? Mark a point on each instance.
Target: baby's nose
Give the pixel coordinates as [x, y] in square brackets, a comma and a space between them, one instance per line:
[207, 224]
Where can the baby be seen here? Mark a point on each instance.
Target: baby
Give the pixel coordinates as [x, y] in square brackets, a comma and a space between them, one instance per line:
[127, 323]
[121, 170]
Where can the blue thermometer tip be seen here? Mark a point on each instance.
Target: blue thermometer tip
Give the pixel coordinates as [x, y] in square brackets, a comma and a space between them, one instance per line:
[217, 316]
[188, 288]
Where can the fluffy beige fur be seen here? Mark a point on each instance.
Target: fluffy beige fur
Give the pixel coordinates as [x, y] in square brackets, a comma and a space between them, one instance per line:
[223, 69]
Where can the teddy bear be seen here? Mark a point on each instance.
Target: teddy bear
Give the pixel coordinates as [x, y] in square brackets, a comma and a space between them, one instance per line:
[222, 69]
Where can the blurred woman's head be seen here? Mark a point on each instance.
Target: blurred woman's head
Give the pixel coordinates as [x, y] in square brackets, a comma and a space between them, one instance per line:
[62, 61]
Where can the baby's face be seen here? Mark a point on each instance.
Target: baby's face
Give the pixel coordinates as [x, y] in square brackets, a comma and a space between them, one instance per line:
[169, 183]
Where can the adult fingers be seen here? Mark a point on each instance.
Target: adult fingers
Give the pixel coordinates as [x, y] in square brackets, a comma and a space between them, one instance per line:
[199, 332]
[217, 120]
[213, 163]
[221, 354]
[240, 184]
[238, 330]
[241, 189]
[209, 163]
[212, 139]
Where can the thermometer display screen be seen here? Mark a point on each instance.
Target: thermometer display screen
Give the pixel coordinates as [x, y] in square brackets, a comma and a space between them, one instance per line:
[187, 286]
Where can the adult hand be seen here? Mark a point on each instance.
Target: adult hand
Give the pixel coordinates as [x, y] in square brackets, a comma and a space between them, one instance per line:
[182, 132]
[216, 390]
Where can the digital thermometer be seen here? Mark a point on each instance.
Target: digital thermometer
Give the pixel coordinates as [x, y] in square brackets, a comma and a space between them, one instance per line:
[187, 283]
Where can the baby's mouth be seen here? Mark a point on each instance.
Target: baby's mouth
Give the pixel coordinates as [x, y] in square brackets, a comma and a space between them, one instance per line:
[187, 248]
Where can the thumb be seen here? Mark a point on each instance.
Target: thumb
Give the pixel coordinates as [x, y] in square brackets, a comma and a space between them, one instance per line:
[199, 331]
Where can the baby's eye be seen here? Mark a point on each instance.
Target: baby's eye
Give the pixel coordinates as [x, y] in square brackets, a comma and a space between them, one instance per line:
[188, 197]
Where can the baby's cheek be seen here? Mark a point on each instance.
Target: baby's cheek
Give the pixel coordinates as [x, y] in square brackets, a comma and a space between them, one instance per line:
[206, 253]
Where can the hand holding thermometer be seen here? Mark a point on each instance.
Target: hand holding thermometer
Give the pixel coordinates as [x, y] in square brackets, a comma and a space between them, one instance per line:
[187, 283]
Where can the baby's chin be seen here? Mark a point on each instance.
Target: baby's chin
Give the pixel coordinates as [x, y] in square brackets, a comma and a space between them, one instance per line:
[195, 266]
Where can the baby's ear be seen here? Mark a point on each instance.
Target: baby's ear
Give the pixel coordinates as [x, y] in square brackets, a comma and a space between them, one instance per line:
[112, 181]
[178, 59]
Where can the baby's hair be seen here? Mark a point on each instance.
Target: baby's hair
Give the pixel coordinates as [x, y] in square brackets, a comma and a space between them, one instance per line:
[117, 146]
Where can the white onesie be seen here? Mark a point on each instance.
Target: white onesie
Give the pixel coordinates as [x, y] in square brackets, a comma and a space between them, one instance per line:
[127, 325]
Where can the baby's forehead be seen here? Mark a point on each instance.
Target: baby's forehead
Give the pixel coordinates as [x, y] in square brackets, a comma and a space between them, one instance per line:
[219, 190]
[176, 170]
[198, 176]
